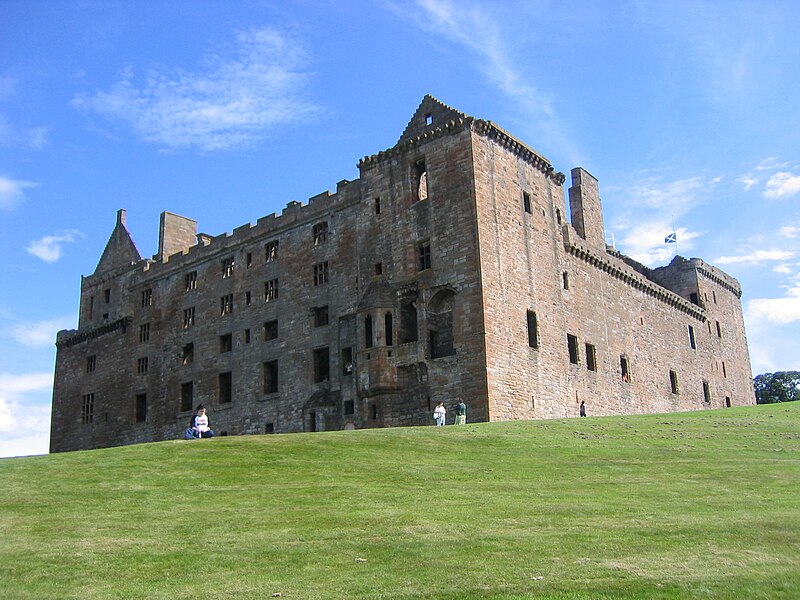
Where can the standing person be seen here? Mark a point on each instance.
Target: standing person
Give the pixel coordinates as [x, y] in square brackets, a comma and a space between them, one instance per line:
[199, 425]
[461, 413]
[439, 414]
[583, 409]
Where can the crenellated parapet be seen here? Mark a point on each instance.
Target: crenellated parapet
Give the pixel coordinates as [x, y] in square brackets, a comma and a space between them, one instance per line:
[67, 338]
[723, 280]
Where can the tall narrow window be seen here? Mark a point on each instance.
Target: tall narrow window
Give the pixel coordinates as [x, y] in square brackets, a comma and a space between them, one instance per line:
[246, 336]
[572, 347]
[321, 273]
[271, 330]
[188, 317]
[225, 343]
[368, 331]
[91, 363]
[673, 382]
[147, 298]
[440, 325]
[270, 371]
[321, 365]
[107, 294]
[320, 233]
[420, 173]
[591, 357]
[706, 393]
[141, 408]
[424, 253]
[187, 396]
[565, 280]
[249, 260]
[320, 316]
[144, 332]
[226, 304]
[692, 343]
[271, 251]
[225, 387]
[270, 290]
[190, 281]
[142, 365]
[87, 409]
[724, 370]
[188, 354]
[377, 205]
[526, 202]
[347, 361]
[248, 298]
[533, 330]
[623, 367]
[387, 327]
[719, 330]
[408, 321]
[227, 266]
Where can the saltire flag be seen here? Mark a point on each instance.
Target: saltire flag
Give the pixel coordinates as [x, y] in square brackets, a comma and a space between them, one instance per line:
[671, 239]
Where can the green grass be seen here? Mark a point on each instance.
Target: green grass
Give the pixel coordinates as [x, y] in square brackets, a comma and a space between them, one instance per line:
[690, 505]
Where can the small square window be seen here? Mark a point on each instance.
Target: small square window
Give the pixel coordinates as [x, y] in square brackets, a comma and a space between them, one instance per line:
[271, 251]
[142, 365]
[428, 119]
[320, 233]
[225, 343]
[320, 316]
[378, 268]
[190, 281]
[271, 330]
[321, 273]
[226, 304]
[91, 363]
[349, 407]
[227, 267]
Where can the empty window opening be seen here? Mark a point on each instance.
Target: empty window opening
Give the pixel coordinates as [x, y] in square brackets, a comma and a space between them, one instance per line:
[694, 299]
[673, 382]
[428, 119]
[526, 202]
[424, 253]
[91, 307]
[141, 408]
[320, 233]
[187, 396]
[374, 411]
[387, 328]
[377, 206]
[320, 316]
[271, 330]
[591, 357]
[408, 321]
[225, 343]
[107, 294]
[368, 331]
[558, 216]
[91, 363]
[706, 393]
[572, 347]
[270, 290]
[190, 281]
[246, 336]
[349, 407]
[270, 370]
[142, 365]
[147, 298]
[144, 332]
[692, 342]
[312, 421]
[347, 361]
[321, 273]
[724, 370]
[565, 280]
[714, 296]
[271, 251]
[87, 409]
[227, 266]
[623, 367]
[269, 428]
[225, 387]
[249, 260]
[321, 365]
[727, 402]
[378, 268]
[226, 304]
[420, 181]
[533, 330]
[719, 330]
[248, 298]
[188, 354]
[440, 325]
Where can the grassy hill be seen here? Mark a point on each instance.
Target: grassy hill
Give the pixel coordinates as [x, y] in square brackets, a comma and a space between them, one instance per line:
[700, 505]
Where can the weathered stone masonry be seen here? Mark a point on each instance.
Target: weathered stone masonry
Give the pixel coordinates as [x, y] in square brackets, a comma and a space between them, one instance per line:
[451, 269]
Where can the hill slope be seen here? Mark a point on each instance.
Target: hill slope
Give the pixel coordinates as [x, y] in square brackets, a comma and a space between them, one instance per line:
[689, 505]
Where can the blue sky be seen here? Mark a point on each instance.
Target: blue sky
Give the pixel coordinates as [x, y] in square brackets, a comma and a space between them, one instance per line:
[225, 111]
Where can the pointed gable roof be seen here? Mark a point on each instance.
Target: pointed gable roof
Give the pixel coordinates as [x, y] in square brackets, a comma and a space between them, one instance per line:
[120, 251]
[429, 115]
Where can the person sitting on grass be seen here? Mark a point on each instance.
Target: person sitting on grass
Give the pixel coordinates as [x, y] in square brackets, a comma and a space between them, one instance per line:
[199, 426]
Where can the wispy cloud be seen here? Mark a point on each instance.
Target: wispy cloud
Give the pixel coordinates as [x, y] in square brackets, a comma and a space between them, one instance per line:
[782, 185]
[756, 257]
[49, 248]
[41, 333]
[233, 101]
[776, 310]
[789, 231]
[24, 422]
[12, 191]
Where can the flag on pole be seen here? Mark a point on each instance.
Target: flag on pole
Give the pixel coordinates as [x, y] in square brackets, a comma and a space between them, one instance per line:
[671, 239]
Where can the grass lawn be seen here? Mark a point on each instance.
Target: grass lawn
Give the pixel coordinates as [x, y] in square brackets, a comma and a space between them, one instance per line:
[688, 505]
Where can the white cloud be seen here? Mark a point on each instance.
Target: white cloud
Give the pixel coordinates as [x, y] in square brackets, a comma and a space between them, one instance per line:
[784, 269]
[49, 247]
[782, 185]
[41, 333]
[789, 231]
[756, 257]
[645, 242]
[747, 181]
[776, 310]
[24, 423]
[232, 102]
[12, 191]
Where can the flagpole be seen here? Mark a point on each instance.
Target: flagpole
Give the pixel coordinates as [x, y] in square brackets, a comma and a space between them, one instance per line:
[676, 236]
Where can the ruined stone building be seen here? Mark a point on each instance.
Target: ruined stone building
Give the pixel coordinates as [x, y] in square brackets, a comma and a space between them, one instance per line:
[451, 269]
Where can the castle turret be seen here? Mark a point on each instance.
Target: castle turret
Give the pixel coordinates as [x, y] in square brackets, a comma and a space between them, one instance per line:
[586, 210]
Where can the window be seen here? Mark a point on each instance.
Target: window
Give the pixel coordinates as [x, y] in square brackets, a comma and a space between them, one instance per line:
[225, 343]
[190, 281]
[440, 325]
[270, 370]
[526, 202]
[320, 316]
[249, 260]
[420, 181]
[533, 330]
[378, 268]
[408, 321]
[347, 361]
[270, 330]
[187, 396]
[225, 387]
[188, 354]
[107, 294]
[706, 393]
[140, 412]
[673, 382]
[321, 365]
[320, 233]
[692, 343]
[565, 280]
[141, 365]
[387, 328]
[226, 304]
[248, 298]
[91, 307]
[623, 367]
[558, 216]
[694, 299]
[270, 290]
[188, 317]
[147, 298]
[144, 332]
[87, 409]
[428, 119]
[572, 346]
[368, 331]
[349, 407]
[227, 266]
[719, 330]
[424, 253]
[714, 296]
[271, 251]
[591, 357]
[246, 336]
[377, 206]
[321, 273]
[91, 363]
[269, 428]
[374, 411]
[724, 370]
